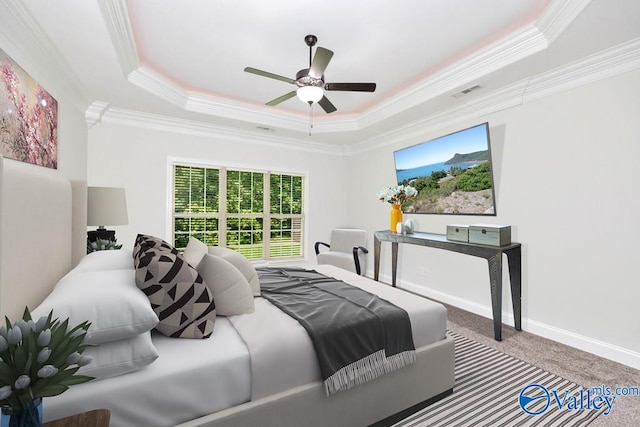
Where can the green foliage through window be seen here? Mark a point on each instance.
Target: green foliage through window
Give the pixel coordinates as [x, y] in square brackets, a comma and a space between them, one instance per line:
[251, 228]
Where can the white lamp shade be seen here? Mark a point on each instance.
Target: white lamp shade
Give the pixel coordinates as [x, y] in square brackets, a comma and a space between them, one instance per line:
[106, 206]
[310, 94]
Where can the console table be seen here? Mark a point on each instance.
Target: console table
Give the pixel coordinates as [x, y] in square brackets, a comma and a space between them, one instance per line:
[493, 254]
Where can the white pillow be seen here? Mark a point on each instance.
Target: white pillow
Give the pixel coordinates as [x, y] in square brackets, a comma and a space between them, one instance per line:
[231, 291]
[106, 260]
[241, 263]
[194, 251]
[120, 357]
[109, 299]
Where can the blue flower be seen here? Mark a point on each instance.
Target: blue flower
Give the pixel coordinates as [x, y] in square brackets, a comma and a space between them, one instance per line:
[3, 344]
[84, 360]
[14, 335]
[23, 381]
[43, 355]
[44, 338]
[24, 327]
[47, 371]
[5, 392]
[72, 359]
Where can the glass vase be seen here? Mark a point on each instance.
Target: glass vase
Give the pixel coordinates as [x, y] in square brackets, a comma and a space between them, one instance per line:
[29, 416]
[396, 216]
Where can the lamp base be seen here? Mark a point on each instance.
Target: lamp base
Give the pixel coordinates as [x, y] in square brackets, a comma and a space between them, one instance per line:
[105, 234]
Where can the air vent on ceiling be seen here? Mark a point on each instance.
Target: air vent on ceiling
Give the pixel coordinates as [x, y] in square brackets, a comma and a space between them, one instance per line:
[466, 91]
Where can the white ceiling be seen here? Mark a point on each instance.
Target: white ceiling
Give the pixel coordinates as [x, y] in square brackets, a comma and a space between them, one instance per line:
[185, 58]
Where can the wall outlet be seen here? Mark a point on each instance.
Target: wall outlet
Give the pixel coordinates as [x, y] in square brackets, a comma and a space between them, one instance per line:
[422, 271]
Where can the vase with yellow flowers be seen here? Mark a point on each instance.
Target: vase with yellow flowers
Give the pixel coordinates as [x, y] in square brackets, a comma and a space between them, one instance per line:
[38, 359]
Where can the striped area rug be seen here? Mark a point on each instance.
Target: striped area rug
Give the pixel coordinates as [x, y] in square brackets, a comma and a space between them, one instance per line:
[487, 390]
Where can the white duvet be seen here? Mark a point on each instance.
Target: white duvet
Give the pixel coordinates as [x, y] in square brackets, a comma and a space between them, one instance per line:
[247, 357]
[282, 355]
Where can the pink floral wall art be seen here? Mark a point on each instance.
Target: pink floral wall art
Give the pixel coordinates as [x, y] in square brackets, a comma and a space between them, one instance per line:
[28, 117]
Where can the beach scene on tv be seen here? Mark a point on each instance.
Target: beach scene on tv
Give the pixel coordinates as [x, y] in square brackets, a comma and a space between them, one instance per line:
[452, 174]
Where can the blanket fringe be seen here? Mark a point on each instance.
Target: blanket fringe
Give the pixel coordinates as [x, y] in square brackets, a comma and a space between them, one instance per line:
[367, 369]
[400, 360]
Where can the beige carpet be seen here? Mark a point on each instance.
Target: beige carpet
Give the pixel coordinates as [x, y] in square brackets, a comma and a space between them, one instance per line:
[575, 365]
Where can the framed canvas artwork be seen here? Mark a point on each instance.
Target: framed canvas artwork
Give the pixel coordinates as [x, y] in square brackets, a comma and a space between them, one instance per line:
[28, 117]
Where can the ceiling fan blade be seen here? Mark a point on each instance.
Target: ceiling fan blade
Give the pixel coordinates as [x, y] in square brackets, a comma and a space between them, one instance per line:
[352, 87]
[327, 105]
[320, 61]
[270, 75]
[282, 98]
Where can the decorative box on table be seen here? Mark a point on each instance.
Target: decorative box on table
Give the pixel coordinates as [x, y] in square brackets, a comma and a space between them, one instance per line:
[458, 232]
[490, 234]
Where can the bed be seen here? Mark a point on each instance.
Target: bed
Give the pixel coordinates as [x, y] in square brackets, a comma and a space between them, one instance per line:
[207, 382]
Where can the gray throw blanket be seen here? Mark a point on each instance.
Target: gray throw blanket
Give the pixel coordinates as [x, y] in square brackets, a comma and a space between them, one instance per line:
[356, 335]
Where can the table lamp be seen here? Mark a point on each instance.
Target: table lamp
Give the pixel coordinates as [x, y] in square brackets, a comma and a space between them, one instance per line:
[105, 206]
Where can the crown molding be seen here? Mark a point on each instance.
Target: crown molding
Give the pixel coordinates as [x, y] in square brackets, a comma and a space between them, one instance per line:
[199, 103]
[414, 131]
[501, 54]
[18, 27]
[528, 41]
[611, 62]
[558, 15]
[174, 125]
[116, 17]
[617, 60]
[152, 82]
[94, 113]
[159, 86]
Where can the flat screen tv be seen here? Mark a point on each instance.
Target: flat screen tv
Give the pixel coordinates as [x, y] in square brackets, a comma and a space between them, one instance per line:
[452, 173]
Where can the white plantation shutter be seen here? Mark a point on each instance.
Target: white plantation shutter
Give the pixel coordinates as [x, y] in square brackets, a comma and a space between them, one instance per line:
[195, 204]
[258, 213]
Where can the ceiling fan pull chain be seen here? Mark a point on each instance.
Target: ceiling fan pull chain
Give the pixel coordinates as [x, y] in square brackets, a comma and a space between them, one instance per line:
[310, 117]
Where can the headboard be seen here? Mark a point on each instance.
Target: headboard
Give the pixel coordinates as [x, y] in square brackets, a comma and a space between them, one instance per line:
[42, 233]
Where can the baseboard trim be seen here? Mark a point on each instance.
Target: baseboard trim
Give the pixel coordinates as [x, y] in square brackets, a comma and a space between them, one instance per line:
[591, 345]
[588, 344]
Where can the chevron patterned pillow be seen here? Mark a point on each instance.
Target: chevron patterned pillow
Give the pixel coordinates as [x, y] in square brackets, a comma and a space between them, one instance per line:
[177, 294]
[144, 242]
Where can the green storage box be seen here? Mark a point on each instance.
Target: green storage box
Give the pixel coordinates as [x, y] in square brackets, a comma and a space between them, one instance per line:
[458, 232]
[490, 234]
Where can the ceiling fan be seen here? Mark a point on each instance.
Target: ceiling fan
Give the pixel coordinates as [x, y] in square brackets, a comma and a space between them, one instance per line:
[310, 81]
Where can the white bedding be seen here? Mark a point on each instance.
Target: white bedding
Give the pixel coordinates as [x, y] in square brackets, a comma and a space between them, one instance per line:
[291, 362]
[192, 378]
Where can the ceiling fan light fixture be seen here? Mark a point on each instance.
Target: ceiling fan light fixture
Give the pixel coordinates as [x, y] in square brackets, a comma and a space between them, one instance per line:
[310, 94]
[310, 81]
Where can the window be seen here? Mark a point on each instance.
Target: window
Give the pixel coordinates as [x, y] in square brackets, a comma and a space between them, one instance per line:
[260, 214]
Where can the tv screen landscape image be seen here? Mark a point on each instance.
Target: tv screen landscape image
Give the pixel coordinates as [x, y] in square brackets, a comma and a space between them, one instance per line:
[452, 173]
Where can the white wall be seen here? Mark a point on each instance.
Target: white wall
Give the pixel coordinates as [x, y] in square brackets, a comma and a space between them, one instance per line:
[567, 180]
[137, 159]
[72, 129]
